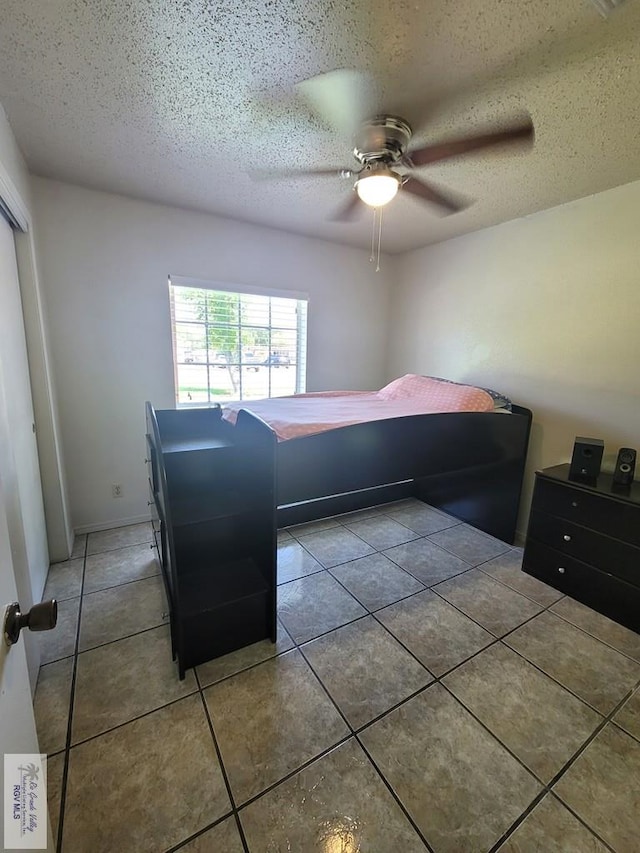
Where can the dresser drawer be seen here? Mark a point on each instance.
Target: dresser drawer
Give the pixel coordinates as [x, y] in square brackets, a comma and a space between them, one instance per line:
[610, 555]
[611, 596]
[603, 513]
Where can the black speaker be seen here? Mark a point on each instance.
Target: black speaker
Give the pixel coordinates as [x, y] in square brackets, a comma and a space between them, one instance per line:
[586, 459]
[625, 467]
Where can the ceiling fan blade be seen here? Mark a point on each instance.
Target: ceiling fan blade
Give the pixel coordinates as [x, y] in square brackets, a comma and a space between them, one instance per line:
[342, 98]
[426, 191]
[350, 210]
[523, 132]
[275, 174]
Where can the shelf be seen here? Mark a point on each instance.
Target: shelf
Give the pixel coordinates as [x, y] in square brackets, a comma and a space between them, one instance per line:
[198, 509]
[210, 584]
[185, 444]
[213, 493]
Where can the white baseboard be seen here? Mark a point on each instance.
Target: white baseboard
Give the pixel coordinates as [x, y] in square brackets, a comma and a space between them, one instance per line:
[107, 525]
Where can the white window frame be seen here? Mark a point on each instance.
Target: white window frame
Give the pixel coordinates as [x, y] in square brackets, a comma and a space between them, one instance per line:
[254, 290]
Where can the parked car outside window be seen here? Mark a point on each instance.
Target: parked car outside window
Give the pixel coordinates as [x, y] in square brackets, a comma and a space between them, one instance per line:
[277, 360]
[249, 360]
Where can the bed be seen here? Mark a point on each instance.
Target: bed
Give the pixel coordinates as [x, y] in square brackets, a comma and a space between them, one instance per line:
[468, 462]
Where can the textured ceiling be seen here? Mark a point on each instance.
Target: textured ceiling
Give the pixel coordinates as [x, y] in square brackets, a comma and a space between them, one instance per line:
[176, 101]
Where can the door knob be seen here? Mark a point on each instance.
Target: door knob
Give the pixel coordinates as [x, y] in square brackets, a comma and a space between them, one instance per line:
[41, 617]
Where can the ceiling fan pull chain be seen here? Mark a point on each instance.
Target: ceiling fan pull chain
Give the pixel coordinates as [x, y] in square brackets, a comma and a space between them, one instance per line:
[373, 234]
[379, 237]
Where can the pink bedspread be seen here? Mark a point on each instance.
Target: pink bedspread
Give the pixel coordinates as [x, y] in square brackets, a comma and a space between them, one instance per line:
[306, 414]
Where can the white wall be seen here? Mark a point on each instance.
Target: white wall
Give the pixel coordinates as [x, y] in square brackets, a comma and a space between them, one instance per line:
[105, 264]
[545, 309]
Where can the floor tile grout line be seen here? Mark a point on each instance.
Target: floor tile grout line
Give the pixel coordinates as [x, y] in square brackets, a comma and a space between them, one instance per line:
[123, 583]
[120, 547]
[548, 674]
[546, 786]
[473, 619]
[503, 639]
[494, 641]
[485, 726]
[381, 550]
[403, 597]
[453, 553]
[383, 714]
[306, 764]
[124, 637]
[581, 820]
[514, 589]
[552, 677]
[519, 820]
[396, 798]
[479, 566]
[302, 577]
[72, 692]
[133, 719]
[223, 769]
[299, 643]
[181, 844]
[418, 536]
[593, 636]
[357, 729]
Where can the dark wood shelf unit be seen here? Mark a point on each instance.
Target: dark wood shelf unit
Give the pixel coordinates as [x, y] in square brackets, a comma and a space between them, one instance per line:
[212, 497]
[584, 539]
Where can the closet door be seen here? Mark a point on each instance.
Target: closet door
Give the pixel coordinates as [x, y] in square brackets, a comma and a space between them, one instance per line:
[21, 518]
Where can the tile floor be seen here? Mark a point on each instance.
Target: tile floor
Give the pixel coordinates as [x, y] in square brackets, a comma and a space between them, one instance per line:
[424, 694]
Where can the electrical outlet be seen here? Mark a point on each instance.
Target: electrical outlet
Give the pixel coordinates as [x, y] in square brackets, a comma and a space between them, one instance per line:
[116, 490]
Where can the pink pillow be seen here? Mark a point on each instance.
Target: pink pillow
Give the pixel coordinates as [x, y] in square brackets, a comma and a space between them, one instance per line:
[409, 385]
[438, 395]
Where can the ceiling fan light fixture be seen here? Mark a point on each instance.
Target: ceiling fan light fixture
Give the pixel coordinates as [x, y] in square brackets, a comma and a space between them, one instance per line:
[378, 186]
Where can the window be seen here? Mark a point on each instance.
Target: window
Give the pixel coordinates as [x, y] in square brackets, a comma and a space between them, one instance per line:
[236, 344]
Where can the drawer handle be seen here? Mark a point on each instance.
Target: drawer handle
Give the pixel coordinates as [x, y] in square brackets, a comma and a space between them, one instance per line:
[574, 503]
[566, 537]
[561, 569]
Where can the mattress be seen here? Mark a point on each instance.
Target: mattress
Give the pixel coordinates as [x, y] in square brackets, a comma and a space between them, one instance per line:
[308, 414]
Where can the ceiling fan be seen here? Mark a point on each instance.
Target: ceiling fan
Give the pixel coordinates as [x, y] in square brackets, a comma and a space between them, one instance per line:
[385, 160]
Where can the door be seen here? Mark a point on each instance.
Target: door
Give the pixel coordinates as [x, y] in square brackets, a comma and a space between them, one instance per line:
[17, 724]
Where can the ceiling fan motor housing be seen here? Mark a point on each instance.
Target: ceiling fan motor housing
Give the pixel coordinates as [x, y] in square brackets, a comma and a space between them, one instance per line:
[382, 139]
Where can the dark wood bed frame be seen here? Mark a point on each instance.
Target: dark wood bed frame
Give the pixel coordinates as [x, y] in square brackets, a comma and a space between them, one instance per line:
[218, 493]
[469, 464]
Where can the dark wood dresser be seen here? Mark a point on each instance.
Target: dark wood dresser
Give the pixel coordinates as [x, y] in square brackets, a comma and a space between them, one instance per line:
[585, 541]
